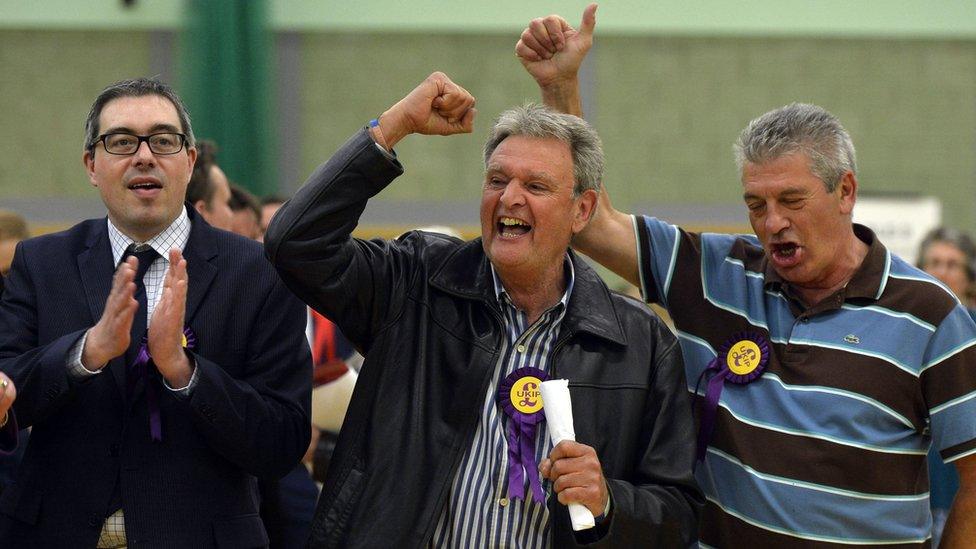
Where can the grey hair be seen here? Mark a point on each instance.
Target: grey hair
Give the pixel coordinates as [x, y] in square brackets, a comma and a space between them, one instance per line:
[136, 87]
[954, 237]
[534, 120]
[803, 128]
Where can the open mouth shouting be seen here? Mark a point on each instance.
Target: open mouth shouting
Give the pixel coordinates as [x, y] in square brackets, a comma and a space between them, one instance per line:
[785, 254]
[510, 227]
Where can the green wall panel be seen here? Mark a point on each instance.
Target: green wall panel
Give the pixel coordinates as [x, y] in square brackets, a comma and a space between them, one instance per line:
[351, 78]
[669, 109]
[910, 107]
[49, 81]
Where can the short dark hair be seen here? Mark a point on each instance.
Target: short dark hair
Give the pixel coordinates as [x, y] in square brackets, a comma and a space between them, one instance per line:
[136, 87]
[201, 187]
[241, 199]
[273, 199]
[12, 226]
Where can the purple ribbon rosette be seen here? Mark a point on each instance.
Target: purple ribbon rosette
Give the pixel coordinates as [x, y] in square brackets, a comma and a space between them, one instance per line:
[740, 360]
[520, 397]
[139, 369]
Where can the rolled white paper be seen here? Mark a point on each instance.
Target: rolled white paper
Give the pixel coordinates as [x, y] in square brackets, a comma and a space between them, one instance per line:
[558, 408]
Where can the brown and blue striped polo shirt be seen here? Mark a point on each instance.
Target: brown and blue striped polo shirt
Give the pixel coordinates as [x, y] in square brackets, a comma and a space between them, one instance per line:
[828, 447]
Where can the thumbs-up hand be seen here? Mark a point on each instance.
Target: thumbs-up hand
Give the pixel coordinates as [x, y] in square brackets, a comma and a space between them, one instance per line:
[551, 50]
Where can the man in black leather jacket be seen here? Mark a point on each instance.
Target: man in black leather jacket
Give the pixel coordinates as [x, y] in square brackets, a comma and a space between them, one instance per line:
[434, 317]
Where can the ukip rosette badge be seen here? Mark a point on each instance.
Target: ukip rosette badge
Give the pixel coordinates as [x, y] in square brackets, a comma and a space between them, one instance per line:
[746, 355]
[189, 338]
[741, 359]
[139, 371]
[520, 397]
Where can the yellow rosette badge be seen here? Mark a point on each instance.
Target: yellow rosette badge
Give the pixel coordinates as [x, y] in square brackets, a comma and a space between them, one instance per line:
[520, 397]
[525, 395]
[744, 357]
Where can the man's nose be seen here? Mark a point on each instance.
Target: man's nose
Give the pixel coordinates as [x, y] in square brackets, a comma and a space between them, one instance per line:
[144, 154]
[776, 221]
[938, 269]
[513, 194]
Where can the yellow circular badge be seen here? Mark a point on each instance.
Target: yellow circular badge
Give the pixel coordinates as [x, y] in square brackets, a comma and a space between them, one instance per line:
[743, 357]
[526, 396]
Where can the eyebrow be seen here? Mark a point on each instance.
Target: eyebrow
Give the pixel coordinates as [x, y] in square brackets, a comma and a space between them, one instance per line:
[544, 177]
[156, 128]
[786, 192]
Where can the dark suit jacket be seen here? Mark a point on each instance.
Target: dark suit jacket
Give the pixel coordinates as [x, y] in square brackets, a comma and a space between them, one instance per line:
[247, 416]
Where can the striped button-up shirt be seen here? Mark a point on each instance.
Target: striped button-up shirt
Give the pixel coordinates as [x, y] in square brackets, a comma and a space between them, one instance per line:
[478, 512]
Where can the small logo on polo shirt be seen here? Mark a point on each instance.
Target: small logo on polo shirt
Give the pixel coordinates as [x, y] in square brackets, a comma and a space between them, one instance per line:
[853, 339]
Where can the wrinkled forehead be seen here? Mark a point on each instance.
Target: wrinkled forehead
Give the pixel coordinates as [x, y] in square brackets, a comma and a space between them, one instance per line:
[533, 157]
[794, 165]
[139, 114]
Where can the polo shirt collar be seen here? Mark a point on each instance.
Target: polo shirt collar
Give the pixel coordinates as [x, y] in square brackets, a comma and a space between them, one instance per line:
[867, 282]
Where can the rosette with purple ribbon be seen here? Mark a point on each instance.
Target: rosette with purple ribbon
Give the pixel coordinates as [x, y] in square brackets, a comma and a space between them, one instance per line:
[139, 369]
[741, 359]
[521, 399]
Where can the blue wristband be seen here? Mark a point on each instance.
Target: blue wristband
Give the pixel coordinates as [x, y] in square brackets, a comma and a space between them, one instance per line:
[374, 122]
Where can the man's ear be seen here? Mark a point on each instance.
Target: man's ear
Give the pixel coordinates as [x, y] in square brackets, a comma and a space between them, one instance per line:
[847, 187]
[191, 156]
[584, 208]
[201, 207]
[88, 159]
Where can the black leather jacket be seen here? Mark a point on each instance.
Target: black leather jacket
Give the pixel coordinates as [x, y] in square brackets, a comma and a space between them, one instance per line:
[423, 311]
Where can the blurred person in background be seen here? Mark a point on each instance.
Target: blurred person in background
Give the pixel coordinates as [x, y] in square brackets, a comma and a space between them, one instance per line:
[949, 255]
[209, 190]
[246, 211]
[842, 364]
[13, 229]
[269, 206]
[287, 503]
[154, 396]
[336, 366]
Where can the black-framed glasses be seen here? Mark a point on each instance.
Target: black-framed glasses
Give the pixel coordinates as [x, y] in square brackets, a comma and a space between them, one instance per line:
[127, 143]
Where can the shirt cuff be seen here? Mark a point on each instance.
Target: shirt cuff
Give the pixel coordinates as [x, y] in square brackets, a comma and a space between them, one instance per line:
[77, 370]
[390, 155]
[184, 392]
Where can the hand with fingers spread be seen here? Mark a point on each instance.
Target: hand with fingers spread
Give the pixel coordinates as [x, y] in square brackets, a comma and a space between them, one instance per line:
[166, 329]
[577, 476]
[109, 337]
[437, 106]
[552, 51]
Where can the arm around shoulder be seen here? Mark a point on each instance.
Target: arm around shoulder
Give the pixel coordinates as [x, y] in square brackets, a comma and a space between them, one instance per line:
[609, 239]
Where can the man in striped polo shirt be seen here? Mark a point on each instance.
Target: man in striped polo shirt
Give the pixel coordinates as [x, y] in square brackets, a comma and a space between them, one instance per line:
[443, 444]
[823, 366]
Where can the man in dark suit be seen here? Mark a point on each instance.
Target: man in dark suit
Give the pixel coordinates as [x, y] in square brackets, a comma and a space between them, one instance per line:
[159, 393]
